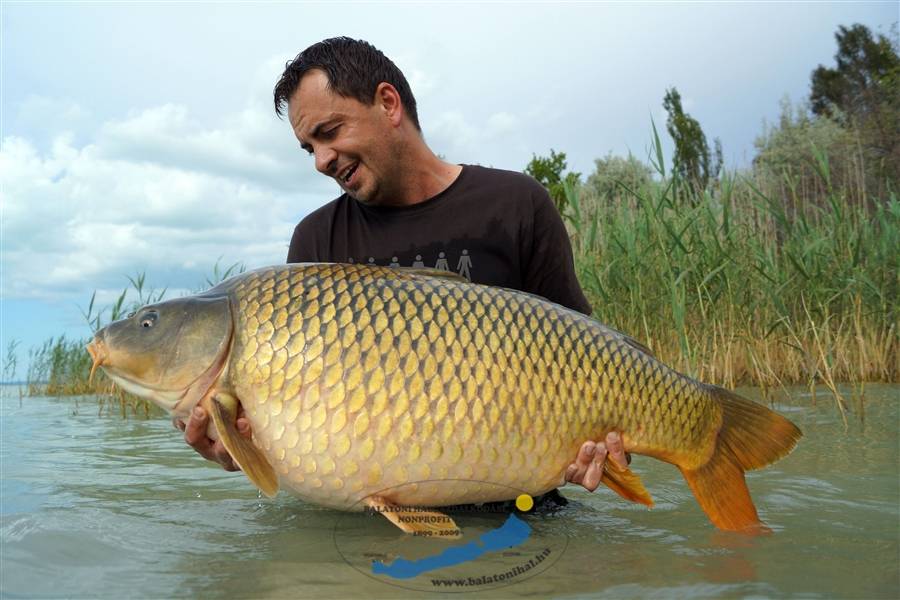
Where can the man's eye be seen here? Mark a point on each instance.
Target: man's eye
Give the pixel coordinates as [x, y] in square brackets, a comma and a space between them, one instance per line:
[330, 133]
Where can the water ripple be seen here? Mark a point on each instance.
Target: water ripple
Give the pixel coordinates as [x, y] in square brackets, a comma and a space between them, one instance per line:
[116, 508]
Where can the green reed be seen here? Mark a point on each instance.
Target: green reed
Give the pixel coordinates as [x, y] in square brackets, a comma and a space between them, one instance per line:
[62, 366]
[730, 286]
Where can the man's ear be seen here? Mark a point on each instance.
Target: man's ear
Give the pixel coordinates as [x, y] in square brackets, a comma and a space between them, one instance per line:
[387, 98]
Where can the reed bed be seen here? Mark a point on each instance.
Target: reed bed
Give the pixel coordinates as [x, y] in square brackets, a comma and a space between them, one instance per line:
[730, 286]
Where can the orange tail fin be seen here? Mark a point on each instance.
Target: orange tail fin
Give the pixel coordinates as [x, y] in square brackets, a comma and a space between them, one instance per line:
[751, 436]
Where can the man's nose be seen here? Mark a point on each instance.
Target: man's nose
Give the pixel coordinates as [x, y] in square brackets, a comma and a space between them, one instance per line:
[326, 160]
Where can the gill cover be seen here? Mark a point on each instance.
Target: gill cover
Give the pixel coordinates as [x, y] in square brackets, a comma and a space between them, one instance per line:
[170, 345]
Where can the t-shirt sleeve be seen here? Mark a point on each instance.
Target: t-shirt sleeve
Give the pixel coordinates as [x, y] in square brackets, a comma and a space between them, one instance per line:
[303, 244]
[550, 266]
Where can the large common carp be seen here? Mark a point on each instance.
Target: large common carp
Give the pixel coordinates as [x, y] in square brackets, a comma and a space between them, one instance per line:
[360, 379]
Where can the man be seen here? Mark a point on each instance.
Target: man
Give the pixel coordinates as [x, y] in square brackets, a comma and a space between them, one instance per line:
[352, 109]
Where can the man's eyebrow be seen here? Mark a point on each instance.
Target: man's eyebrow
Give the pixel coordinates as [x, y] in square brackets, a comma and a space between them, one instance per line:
[317, 129]
[315, 132]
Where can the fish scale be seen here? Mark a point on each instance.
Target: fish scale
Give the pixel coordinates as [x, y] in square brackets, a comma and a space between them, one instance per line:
[435, 368]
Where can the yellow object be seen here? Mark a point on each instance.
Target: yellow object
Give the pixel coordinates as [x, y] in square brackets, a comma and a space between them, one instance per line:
[422, 389]
[524, 502]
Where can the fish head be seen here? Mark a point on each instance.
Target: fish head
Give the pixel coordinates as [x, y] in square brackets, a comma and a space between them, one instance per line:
[170, 352]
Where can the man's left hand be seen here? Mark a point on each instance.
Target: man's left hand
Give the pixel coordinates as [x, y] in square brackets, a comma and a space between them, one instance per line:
[588, 466]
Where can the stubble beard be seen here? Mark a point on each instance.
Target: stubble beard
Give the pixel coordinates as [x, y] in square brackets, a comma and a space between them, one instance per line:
[374, 192]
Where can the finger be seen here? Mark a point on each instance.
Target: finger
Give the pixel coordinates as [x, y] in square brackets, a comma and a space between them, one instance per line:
[196, 438]
[585, 455]
[243, 426]
[595, 470]
[575, 472]
[202, 446]
[178, 423]
[616, 448]
[195, 432]
[221, 456]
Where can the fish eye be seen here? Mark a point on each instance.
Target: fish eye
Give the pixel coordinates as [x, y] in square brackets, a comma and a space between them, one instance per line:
[149, 319]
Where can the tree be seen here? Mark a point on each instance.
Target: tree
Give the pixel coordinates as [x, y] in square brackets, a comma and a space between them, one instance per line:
[862, 81]
[549, 173]
[616, 176]
[786, 163]
[692, 160]
[862, 92]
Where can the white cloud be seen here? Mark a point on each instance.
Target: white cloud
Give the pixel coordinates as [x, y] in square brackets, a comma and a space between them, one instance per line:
[156, 192]
[251, 145]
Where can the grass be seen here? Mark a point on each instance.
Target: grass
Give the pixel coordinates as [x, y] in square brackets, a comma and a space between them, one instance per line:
[730, 286]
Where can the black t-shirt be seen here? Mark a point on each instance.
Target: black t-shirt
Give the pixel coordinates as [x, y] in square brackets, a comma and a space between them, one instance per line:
[491, 226]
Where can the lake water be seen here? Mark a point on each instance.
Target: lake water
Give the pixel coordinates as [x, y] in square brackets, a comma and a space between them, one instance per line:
[100, 506]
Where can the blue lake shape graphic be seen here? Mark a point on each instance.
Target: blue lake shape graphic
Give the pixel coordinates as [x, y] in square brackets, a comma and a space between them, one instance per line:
[513, 532]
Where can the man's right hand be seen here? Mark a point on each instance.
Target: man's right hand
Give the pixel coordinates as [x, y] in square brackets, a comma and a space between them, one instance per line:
[196, 438]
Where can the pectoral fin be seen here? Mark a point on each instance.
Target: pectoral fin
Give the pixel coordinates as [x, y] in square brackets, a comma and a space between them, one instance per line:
[419, 522]
[624, 482]
[223, 408]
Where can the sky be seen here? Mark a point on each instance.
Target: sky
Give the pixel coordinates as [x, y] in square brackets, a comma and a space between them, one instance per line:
[141, 138]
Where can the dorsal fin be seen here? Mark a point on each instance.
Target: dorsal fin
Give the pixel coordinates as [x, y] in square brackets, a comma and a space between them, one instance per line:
[429, 272]
[636, 344]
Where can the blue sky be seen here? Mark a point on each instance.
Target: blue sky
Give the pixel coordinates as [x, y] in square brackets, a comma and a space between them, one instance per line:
[140, 137]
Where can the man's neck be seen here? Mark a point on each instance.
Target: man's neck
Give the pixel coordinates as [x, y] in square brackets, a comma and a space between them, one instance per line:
[426, 177]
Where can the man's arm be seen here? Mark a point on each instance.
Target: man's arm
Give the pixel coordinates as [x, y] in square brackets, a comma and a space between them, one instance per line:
[548, 260]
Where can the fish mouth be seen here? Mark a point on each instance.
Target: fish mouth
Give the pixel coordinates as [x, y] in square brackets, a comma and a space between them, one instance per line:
[100, 356]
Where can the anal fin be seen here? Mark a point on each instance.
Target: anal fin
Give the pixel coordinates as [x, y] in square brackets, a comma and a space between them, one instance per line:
[625, 482]
[223, 409]
[419, 522]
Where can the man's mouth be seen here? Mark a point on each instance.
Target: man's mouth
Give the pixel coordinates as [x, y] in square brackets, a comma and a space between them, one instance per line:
[348, 174]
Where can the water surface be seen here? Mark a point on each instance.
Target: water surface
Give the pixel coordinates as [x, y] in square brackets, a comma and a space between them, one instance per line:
[100, 506]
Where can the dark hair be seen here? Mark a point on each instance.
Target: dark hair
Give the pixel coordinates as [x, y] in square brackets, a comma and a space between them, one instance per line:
[354, 68]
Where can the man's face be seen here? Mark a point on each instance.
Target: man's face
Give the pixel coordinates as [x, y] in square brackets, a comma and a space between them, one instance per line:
[350, 140]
